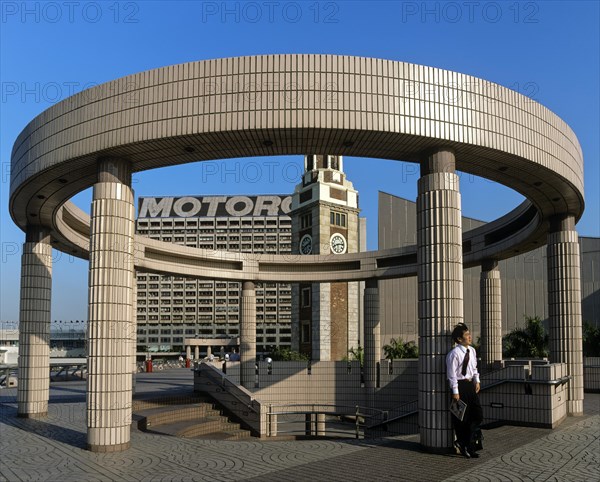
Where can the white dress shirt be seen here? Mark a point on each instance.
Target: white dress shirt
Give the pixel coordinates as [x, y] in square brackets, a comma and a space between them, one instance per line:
[454, 361]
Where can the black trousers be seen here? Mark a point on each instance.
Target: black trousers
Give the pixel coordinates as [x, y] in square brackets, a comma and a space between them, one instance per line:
[473, 416]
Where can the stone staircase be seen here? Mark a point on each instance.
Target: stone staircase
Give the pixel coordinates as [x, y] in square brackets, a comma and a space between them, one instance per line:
[186, 416]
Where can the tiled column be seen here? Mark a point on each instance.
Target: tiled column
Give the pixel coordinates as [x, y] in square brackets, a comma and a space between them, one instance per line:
[491, 314]
[111, 282]
[372, 332]
[440, 292]
[34, 324]
[248, 335]
[133, 335]
[564, 299]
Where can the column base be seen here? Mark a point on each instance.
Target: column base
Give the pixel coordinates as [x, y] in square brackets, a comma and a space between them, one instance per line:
[108, 448]
[575, 408]
[438, 450]
[32, 415]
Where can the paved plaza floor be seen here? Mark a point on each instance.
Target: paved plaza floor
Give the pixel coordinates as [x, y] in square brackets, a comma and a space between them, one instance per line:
[53, 449]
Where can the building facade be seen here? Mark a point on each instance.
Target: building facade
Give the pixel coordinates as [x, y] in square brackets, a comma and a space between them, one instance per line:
[524, 278]
[171, 308]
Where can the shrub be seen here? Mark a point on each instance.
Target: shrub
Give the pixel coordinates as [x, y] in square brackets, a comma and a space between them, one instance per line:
[286, 354]
[529, 342]
[399, 349]
[591, 339]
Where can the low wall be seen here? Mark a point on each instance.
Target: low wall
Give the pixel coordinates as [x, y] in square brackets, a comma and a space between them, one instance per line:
[533, 396]
[322, 382]
[398, 383]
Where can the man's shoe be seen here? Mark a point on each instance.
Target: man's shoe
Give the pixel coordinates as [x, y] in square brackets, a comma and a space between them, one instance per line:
[462, 449]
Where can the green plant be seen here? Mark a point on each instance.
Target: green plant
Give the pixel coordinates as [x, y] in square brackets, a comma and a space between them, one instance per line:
[530, 341]
[286, 354]
[591, 339]
[397, 349]
[357, 354]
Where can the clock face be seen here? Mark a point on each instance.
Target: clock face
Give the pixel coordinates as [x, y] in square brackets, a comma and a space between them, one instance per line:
[338, 243]
[306, 244]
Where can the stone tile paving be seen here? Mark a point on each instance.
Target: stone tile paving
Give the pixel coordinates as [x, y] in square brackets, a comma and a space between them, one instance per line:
[53, 449]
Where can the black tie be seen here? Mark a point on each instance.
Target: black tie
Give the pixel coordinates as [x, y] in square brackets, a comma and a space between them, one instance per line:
[465, 363]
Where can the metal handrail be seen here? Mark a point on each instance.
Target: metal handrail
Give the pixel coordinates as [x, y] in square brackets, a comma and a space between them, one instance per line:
[557, 382]
[222, 379]
[356, 412]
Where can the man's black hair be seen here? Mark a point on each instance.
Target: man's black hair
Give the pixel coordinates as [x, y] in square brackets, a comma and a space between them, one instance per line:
[459, 331]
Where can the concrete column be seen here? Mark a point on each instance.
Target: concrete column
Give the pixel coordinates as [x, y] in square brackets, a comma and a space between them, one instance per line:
[111, 282]
[133, 335]
[440, 292]
[372, 333]
[491, 314]
[196, 352]
[353, 315]
[314, 424]
[188, 352]
[321, 321]
[34, 324]
[564, 299]
[248, 335]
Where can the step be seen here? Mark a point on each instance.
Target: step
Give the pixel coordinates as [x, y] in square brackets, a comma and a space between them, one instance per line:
[195, 428]
[185, 415]
[149, 402]
[153, 417]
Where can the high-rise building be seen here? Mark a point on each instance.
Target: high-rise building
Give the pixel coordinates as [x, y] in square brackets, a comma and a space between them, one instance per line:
[325, 316]
[171, 308]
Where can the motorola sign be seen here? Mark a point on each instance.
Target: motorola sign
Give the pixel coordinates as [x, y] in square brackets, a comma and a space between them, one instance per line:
[211, 206]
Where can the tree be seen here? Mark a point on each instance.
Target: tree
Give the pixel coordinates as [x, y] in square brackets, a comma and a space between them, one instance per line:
[530, 341]
[591, 339]
[399, 349]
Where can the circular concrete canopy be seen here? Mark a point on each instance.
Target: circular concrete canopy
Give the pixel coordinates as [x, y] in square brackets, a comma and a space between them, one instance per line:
[297, 104]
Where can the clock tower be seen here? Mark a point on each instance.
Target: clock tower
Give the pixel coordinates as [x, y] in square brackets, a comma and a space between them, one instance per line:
[325, 316]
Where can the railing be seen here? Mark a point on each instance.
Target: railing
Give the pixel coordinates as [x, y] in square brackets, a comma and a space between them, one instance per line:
[401, 411]
[226, 385]
[314, 422]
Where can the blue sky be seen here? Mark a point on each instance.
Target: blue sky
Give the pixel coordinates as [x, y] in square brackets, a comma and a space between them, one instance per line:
[546, 50]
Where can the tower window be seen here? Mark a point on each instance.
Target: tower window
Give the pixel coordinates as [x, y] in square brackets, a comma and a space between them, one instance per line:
[305, 221]
[305, 332]
[338, 219]
[305, 297]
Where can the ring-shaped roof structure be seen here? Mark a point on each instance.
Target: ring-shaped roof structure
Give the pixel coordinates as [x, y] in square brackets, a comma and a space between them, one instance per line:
[297, 104]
